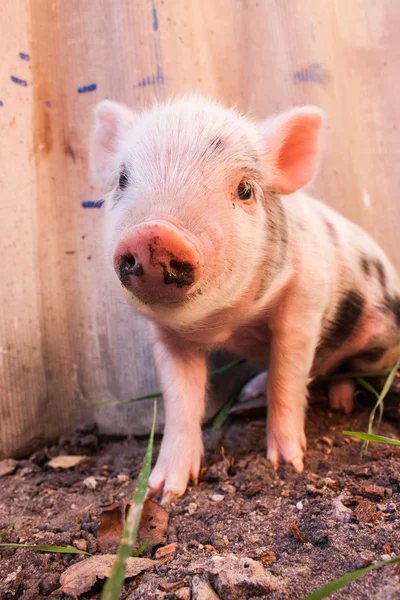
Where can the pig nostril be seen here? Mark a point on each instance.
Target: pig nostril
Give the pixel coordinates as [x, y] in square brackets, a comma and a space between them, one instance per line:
[180, 273]
[128, 260]
[127, 267]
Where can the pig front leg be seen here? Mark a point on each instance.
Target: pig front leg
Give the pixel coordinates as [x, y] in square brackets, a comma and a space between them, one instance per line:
[183, 377]
[291, 358]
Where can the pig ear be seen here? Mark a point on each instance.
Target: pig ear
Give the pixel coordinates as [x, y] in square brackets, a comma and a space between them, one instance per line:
[111, 121]
[292, 141]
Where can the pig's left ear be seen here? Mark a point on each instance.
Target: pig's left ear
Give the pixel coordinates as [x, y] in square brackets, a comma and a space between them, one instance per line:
[111, 121]
[291, 145]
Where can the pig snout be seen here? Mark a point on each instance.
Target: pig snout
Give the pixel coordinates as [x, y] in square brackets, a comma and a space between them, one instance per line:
[158, 261]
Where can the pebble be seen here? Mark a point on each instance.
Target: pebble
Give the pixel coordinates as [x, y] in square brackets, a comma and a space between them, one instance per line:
[299, 505]
[7, 466]
[217, 497]
[201, 590]
[364, 559]
[192, 508]
[122, 478]
[340, 512]
[80, 544]
[326, 440]
[90, 483]
[385, 557]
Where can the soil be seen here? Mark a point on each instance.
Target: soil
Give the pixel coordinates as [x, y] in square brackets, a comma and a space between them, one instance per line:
[302, 531]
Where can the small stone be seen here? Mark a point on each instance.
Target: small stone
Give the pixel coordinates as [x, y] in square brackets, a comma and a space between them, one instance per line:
[192, 508]
[299, 505]
[237, 578]
[340, 512]
[122, 478]
[385, 557]
[387, 549]
[364, 559]
[7, 466]
[183, 593]
[217, 497]
[49, 583]
[202, 590]
[326, 440]
[165, 551]
[90, 483]
[80, 544]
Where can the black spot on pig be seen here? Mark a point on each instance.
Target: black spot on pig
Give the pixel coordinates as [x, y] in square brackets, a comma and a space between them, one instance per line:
[347, 318]
[392, 304]
[331, 232]
[371, 354]
[364, 264]
[216, 144]
[380, 272]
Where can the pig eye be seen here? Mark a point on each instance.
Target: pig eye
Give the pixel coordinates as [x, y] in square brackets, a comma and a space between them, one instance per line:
[123, 180]
[244, 190]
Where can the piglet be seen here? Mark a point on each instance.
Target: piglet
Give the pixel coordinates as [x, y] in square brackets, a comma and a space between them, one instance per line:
[214, 242]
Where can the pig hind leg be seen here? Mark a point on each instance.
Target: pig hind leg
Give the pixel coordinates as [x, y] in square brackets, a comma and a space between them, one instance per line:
[341, 395]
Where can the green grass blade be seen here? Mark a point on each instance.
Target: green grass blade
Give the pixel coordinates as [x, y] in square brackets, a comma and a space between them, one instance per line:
[333, 586]
[114, 583]
[129, 400]
[213, 374]
[221, 417]
[227, 367]
[143, 547]
[366, 385]
[379, 405]
[50, 549]
[372, 437]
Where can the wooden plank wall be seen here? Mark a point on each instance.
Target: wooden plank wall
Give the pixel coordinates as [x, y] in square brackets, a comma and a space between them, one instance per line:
[66, 338]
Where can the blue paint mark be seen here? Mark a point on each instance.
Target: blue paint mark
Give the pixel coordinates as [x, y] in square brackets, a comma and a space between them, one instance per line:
[48, 103]
[24, 56]
[87, 88]
[92, 203]
[1, 103]
[19, 81]
[83, 236]
[314, 73]
[89, 258]
[155, 20]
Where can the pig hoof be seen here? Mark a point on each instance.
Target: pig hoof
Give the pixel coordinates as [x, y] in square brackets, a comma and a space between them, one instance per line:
[254, 388]
[341, 395]
[287, 451]
[175, 466]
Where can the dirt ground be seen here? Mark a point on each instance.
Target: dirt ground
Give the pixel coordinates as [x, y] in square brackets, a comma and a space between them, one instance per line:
[246, 531]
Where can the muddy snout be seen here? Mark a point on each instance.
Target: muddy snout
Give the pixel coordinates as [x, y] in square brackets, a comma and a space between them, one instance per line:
[156, 261]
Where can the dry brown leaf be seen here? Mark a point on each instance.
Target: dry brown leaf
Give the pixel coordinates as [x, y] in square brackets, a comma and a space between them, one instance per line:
[111, 526]
[81, 577]
[152, 529]
[153, 525]
[7, 466]
[65, 461]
